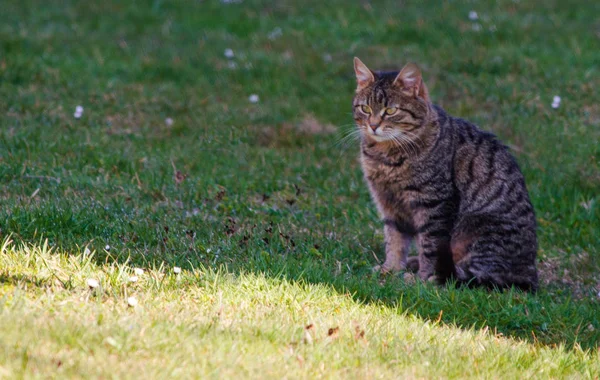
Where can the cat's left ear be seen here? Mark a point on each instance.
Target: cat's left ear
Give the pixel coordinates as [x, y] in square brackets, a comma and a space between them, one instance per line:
[411, 82]
[364, 76]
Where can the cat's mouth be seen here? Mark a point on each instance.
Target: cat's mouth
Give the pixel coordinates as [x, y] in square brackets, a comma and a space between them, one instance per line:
[378, 135]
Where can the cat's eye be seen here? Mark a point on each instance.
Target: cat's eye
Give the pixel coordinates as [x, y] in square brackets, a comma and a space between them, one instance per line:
[366, 109]
[391, 110]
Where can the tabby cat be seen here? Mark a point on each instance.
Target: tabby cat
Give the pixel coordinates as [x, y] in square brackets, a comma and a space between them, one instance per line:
[440, 180]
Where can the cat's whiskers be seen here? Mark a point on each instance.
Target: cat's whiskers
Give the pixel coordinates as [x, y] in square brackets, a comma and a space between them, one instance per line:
[347, 137]
[410, 145]
[400, 143]
[413, 136]
[406, 144]
[412, 139]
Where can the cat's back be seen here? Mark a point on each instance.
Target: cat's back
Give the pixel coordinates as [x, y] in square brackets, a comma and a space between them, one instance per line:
[486, 174]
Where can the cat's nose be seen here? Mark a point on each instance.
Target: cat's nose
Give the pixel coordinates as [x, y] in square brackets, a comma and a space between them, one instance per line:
[374, 126]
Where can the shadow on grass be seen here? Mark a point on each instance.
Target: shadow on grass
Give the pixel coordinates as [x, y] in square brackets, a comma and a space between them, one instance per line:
[550, 317]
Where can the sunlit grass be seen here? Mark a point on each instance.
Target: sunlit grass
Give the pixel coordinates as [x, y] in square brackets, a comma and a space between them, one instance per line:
[210, 322]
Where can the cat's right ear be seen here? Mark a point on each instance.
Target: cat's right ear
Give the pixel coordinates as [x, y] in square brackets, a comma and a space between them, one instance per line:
[364, 76]
[411, 82]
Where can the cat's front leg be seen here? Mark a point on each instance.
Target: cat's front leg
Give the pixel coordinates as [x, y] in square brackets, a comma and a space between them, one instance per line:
[397, 245]
[433, 218]
[435, 258]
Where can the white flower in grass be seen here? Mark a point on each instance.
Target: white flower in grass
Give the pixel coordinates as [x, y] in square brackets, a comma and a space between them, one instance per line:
[169, 122]
[132, 301]
[92, 283]
[275, 33]
[473, 16]
[229, 53]
[253, 98]
[138, 271]
[107, 247]
[133, 279]
[556, 102]
[176, 270]
[78, 112]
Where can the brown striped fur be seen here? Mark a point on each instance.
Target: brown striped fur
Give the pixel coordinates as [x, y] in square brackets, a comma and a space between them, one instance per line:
[444, 183]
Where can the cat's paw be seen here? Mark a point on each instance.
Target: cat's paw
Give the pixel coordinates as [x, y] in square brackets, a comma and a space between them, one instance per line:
[432, 278]
[412, 265]
[426, 276]
[437, 280]
[386, 268]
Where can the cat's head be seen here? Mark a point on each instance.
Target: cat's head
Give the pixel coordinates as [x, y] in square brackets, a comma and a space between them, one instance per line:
[390, 107]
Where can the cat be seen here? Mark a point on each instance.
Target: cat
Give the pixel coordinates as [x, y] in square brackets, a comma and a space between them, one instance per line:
[440, 180]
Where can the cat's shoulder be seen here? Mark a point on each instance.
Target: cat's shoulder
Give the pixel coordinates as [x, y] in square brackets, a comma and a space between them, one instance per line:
[466, 131]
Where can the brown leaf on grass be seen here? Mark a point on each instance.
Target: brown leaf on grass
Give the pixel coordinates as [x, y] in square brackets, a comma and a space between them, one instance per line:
[244, 240]
[179, 177]
[308, 339]
[360, 334]
[333, 332]
[220, 195]
[230, 226]
[298, 190]
[269, 228]
[439, 318]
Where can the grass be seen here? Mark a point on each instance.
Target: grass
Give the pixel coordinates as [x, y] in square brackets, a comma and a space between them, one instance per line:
[261, 205]
[218, 324]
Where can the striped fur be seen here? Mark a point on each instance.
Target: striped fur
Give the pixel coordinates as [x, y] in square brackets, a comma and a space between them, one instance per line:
[444, 183]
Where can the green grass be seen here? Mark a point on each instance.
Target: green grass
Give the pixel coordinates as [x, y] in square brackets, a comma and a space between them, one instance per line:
[270, 219]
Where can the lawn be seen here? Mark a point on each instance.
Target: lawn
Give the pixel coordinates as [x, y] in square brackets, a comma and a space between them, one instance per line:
[213, 155]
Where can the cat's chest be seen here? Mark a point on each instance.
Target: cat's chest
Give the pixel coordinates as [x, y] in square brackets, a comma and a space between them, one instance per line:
[390, 186]
[391, 173]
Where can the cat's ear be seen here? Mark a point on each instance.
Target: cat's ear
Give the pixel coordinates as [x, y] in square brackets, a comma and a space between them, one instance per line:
[410, 81]
[364, 76]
